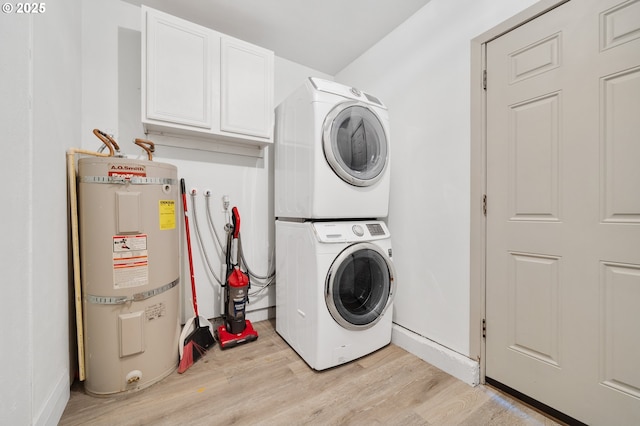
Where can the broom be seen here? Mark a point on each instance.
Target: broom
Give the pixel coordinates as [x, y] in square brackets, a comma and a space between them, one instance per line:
[196, 343]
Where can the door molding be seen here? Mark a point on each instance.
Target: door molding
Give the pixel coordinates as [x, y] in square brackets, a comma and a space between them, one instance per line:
[478, 173]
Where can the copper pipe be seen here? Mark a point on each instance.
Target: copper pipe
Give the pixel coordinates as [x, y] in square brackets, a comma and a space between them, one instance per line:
[106, 140]
[147, 145]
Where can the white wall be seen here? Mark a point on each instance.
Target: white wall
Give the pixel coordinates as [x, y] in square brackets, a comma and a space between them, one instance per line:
[16, 306]
[40, 111]
[111, 102]
[421, 71]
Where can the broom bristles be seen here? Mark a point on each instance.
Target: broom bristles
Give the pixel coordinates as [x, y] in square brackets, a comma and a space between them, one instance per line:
[191, 353]
[187, 358]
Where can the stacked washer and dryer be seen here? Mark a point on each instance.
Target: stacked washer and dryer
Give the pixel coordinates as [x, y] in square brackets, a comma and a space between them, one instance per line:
[334, 269]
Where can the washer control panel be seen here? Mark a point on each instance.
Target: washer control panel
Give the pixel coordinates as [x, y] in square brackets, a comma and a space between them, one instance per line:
[350, 231]
[375, 229]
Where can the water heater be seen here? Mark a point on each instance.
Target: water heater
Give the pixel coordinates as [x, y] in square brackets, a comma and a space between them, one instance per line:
[129, 250]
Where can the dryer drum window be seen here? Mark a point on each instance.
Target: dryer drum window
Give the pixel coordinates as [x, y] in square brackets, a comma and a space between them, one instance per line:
[355, 144]
[359, 286]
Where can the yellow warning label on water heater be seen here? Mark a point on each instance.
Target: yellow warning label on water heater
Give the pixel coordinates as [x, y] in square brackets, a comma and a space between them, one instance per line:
[167, 214]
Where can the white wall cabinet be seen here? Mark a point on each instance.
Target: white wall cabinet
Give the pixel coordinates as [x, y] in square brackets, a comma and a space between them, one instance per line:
[203, 84]
[246, 88]
[179, 72]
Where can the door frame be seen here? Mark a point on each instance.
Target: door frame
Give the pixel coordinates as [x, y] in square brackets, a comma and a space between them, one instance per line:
[478, 173]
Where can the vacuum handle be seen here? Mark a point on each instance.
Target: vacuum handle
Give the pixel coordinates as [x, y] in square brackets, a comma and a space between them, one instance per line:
[235, 217]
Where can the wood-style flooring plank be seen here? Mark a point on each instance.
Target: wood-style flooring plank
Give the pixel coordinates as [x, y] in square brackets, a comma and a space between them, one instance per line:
[266, 383]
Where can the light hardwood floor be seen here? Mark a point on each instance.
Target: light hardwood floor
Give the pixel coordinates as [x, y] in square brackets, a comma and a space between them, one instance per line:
[266, 383]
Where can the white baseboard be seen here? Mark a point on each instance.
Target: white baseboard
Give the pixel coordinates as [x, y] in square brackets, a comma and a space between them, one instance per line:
[54, 406]
[451, 362]
[261, 314]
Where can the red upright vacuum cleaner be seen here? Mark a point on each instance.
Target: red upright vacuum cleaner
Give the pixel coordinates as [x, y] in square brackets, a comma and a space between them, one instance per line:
[236, 329]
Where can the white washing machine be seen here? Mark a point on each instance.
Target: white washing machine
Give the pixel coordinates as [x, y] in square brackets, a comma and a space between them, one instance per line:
[331, 153]
[335, 289]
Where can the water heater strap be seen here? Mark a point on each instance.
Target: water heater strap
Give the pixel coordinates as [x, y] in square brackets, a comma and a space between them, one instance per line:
[119, 300]
[134, 180]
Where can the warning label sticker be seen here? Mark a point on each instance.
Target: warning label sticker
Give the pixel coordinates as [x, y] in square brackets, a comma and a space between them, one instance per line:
[155, 311]
[167, 214]
[130, 261]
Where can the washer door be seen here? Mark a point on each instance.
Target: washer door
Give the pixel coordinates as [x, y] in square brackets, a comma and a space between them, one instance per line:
[355, 144]
[360, 286]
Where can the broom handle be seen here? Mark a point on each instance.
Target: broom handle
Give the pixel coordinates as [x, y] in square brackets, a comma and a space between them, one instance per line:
[186, 231]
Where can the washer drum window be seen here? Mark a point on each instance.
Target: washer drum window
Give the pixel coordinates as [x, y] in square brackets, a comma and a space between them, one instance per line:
[355, 143]
[360, 286]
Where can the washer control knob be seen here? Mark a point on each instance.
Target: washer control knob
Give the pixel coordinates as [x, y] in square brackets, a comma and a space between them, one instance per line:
[355, 91]
[357, 229]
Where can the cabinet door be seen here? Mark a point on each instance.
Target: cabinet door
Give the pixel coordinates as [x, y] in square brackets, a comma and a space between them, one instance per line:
[178, 71]
[246, 89]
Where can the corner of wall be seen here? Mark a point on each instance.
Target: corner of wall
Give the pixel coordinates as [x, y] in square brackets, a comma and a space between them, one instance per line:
[54, 406]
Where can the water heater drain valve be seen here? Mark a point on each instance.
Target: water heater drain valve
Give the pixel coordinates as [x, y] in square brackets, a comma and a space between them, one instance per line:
[134, 376]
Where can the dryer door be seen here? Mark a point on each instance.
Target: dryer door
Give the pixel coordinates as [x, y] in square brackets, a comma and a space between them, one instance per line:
[355, 143]
[360, 286]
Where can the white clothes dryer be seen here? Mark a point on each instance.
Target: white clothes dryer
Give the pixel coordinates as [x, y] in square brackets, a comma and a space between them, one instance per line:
[335, 289]
[331, 153]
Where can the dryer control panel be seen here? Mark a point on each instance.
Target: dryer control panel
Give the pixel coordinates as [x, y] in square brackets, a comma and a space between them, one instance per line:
[345, 91]
[350, 231]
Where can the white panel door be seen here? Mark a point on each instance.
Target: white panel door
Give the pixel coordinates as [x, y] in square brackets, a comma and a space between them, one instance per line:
[563, 217]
